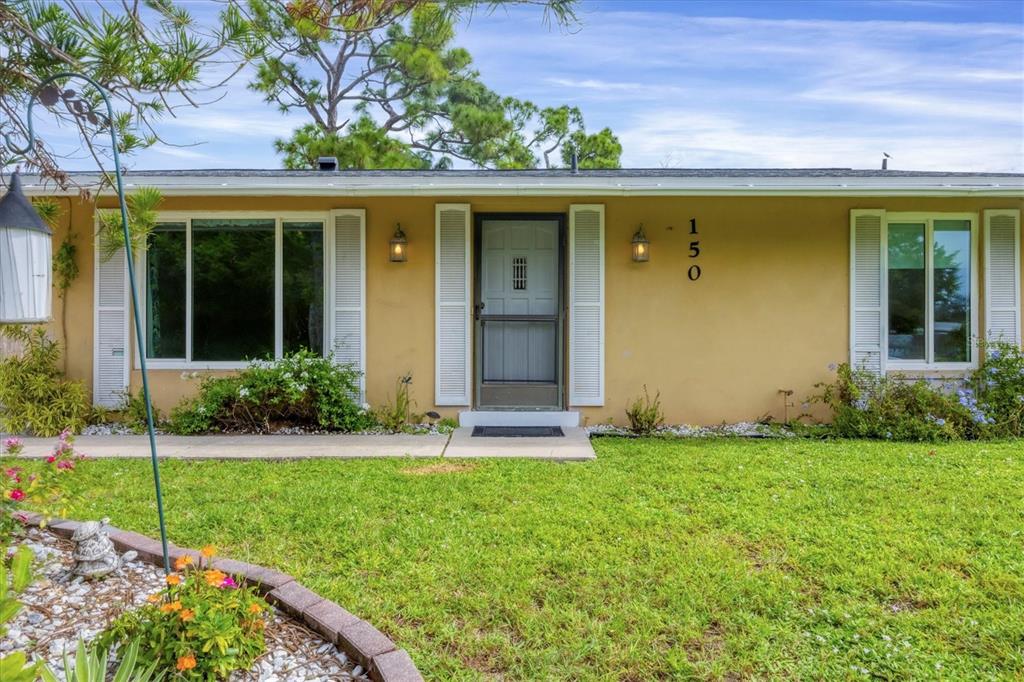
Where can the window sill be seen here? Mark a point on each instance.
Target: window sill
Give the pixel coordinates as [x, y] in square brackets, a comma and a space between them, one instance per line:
[951, 370]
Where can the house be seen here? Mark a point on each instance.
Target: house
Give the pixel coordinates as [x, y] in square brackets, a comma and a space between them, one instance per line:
[554, 293]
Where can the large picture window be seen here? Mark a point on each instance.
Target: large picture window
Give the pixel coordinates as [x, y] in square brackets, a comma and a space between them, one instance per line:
[225, 290]
[932, 296]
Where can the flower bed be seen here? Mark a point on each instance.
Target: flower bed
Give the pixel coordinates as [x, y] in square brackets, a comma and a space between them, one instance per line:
[308, 637]
[58, 611]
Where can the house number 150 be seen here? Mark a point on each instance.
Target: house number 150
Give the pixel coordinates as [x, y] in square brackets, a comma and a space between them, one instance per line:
[693, 273]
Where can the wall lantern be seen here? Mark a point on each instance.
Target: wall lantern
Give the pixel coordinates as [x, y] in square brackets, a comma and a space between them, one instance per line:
[641, 247]
[399, 245]
[25, 246]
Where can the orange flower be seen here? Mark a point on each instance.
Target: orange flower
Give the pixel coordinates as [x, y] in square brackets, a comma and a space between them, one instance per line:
[208, 551]
[186, 615]
[153, 598]
[255, 608]
[173, 606]
[181, 562]
[173, 579]
[186, 663]
[215, 577]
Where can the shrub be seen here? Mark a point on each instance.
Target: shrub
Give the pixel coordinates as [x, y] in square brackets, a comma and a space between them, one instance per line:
[203, 625]
[43, 492]
[14, 667]
[865, 405]
[133, 413]
[997, 388]
[644, 413]
[300, 390]
[35, 396]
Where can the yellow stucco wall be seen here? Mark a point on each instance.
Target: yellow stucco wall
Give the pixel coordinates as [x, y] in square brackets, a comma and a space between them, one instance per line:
[769, 312]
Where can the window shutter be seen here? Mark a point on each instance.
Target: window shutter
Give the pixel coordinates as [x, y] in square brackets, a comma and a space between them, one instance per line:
[110, 328]
[347, 291]
[586, 305]
[867, 290]
[1002, 276]
[452, 306]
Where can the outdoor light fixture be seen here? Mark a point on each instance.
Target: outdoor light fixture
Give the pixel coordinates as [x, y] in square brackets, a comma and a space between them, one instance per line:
[25, 263]
[641, 247]
[25, 247]
[399, 245]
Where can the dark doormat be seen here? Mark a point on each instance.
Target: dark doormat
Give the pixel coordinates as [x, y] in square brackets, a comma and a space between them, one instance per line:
[518, 431]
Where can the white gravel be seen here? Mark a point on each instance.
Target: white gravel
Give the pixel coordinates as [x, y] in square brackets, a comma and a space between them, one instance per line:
[738, 430]
[57, 612]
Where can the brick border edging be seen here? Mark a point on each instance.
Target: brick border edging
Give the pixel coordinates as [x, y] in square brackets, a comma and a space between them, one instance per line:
[370, 647]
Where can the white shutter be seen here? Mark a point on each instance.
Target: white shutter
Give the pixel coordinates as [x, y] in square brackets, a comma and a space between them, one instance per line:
[452, 371]
[867, 290]
[1002, 276]
[586, 305]
[347, 291]
[110, 328]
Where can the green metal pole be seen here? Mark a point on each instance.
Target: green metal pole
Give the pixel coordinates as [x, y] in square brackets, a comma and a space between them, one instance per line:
[131, 280]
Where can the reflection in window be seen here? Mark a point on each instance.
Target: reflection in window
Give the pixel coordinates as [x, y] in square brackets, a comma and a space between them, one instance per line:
[303, 271]
[907, 293]
[165, 291]
[951, 258]
[232, 289]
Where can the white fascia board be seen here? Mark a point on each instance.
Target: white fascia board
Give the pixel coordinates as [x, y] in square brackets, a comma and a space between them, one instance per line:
[738, 186]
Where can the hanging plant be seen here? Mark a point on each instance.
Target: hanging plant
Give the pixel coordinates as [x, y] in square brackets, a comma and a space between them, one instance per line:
[142, 205]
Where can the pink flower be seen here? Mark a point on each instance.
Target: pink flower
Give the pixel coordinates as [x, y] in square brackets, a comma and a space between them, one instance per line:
[13, 446]
[228, 582]
[17, 495]
[65, 464]
[51, 459]
[12, 472]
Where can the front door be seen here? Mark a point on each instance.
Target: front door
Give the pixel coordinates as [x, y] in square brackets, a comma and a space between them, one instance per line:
[519, 311]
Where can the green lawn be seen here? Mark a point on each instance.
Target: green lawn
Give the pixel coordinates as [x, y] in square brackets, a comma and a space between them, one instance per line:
[661, 560]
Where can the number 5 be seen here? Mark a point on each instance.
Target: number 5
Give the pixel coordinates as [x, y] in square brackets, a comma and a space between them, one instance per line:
[694, 249]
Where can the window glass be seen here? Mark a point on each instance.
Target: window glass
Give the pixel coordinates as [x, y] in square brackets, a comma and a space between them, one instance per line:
[951, 258]
[165, 291]
[303, 287]
[232, 289]
[907, 295]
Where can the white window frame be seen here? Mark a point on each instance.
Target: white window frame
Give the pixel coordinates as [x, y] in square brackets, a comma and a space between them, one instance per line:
[928, 219]
[280, 217]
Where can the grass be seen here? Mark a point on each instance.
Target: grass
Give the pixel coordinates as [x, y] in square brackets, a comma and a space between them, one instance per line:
[663, 559]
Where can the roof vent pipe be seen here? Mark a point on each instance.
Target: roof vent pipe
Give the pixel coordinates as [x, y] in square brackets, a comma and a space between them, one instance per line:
[575, 161]
[885, 161]
[327, 163]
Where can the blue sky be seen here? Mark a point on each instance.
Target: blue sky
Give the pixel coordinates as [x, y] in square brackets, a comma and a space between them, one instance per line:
[938, 85]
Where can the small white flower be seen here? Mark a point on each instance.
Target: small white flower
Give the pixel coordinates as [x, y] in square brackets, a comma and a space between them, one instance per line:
[243, 392]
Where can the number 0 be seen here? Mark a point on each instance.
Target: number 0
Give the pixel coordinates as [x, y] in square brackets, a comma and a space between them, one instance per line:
[693, 273]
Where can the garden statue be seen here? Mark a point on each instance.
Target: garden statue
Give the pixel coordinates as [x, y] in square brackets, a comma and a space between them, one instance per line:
[95, 555]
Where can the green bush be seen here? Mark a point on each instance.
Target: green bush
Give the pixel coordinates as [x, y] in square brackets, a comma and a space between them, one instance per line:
[998, 388]
[133, 413]
[300, 390]
[204, 625]
[986, 404]
[34, 394]
[644, 413]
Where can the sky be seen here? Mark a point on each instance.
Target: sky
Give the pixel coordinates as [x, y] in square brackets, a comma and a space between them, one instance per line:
[937, 85]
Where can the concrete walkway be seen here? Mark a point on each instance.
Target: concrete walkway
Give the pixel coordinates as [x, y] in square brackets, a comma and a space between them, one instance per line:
[341, 446]
[574, 446]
